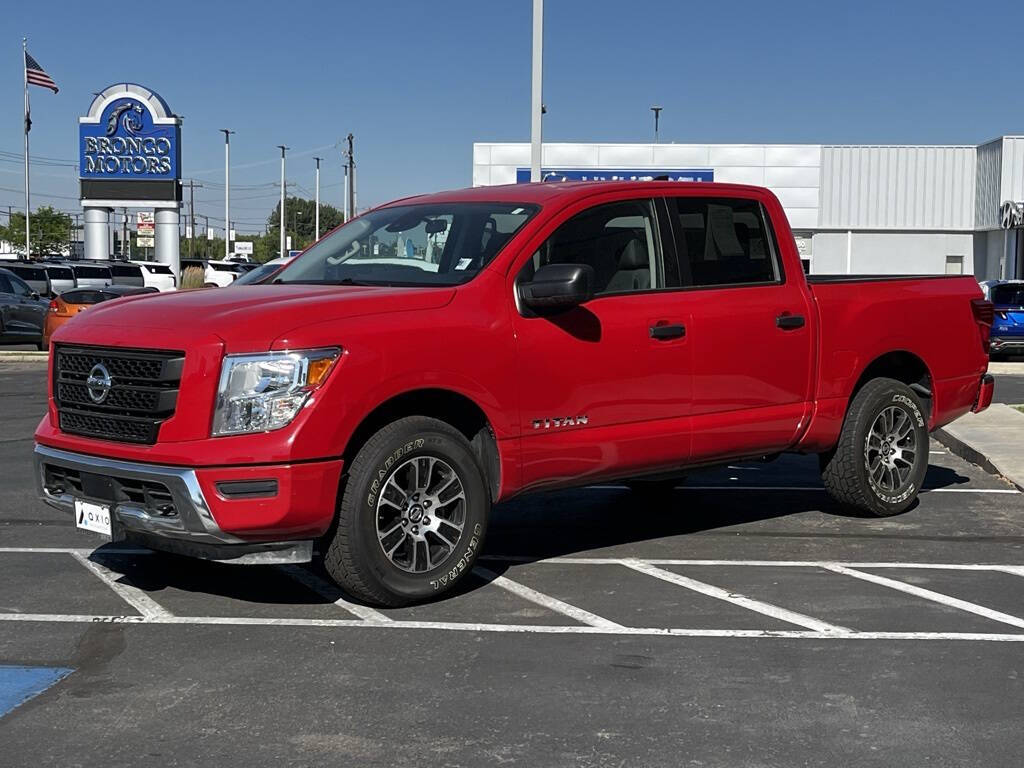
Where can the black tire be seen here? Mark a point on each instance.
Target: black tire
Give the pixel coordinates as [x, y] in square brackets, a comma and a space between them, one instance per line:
[355, 557]
[845, 470]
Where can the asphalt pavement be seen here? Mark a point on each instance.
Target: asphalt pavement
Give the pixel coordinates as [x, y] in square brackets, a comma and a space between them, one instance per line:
[743, 621]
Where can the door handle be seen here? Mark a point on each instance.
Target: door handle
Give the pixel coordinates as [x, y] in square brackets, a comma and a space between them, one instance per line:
[666, 332]
[790, 322]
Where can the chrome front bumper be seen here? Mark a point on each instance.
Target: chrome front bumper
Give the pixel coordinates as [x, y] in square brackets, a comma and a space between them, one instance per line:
[192, 530]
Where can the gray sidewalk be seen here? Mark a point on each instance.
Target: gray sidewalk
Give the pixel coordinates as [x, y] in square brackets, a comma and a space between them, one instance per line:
[992, 439]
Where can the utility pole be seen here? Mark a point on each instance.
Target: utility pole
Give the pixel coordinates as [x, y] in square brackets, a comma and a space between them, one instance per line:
[206, 235]
[227, 190]
[351, 170]
[191, 225]
[124, 233]
[280, 213]
[656, 109]
[537, 94]
[316, 229]
[27, 126]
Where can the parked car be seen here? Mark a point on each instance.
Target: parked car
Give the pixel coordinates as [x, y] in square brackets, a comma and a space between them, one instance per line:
[62, 278]
[32, 273]
[1007, 297]
[127, 273]
[22, 311]
[534, 337]
[262, 272]
[159, 276]
[89, 274]
[71, 303]
[218, 273]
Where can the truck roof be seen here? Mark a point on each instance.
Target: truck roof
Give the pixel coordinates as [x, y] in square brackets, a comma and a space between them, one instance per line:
[540, 193]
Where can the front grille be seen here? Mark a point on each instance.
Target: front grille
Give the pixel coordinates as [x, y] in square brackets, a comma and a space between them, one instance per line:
[142, 393]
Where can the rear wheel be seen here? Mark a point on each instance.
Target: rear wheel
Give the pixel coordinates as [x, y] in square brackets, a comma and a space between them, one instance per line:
[881, 458]
[413, 514]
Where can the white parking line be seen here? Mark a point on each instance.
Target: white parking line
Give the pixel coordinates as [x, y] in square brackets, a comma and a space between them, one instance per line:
[131, 594]
[551, 603]
[803, 488]
[540, 629]
[329, 592]
[736, 599]
[928, 594]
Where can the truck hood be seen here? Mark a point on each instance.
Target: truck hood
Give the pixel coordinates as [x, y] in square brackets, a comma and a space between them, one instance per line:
[245, 318]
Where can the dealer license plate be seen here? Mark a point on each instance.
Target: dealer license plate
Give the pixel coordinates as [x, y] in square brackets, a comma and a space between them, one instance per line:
[92, 517]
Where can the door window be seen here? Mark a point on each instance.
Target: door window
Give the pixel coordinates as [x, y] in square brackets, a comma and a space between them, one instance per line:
[19, 287]
[723, 241]
[5, 285]
[619, 240]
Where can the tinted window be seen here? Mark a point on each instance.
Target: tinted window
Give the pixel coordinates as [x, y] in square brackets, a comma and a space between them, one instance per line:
[1008, 295]
[85, 296]
[5, 285]
[723, 242]
[227, 268]
[159, 269]
[428, 244]
[94, 273]
[255, 275]
[19, 287]
[125, 270]
[620, 242]
[60, 273]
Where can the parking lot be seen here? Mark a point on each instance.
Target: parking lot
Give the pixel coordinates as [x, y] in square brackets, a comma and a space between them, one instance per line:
[744, 621]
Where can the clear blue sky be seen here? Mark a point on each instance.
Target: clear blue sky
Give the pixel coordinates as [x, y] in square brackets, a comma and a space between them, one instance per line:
[418, 82]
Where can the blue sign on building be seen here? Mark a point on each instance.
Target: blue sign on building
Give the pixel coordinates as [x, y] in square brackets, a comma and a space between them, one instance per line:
[617, 174]
[130, 136]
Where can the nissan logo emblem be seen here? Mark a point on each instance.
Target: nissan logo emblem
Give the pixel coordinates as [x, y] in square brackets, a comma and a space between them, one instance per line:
[98, 384]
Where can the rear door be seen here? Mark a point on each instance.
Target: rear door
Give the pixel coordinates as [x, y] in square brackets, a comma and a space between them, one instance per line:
[604, 386]
[27, 312]
[749, 328]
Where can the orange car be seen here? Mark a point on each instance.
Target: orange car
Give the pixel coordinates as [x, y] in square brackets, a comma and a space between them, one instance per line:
[70, 303]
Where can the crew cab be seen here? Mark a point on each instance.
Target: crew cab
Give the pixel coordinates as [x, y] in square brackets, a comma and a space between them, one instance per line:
[443, 353]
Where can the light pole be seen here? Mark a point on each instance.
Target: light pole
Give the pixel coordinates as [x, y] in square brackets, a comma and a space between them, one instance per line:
[656, 109]
[280, 217]
[316, 230]
[227, 190]
[537, 96]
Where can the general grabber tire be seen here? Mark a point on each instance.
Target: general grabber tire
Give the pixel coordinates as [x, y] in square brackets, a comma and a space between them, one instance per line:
[882, 455]
[412, 516]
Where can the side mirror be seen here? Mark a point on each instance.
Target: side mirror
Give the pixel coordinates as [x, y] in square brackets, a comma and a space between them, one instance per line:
[558, 286]
[35, 295]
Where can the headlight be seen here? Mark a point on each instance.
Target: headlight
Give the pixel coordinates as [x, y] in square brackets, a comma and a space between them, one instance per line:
[260, 393]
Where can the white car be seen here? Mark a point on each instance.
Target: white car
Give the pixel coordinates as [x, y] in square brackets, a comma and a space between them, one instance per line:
[159, 276]
[217, 272]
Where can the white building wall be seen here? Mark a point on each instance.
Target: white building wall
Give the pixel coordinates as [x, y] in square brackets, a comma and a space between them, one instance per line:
[897, 187]
[791, 171]
[988, 192]
[875, 253]
[1013, 169]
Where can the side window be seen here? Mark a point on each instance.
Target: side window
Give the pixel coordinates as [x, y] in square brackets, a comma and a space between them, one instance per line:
[19, 287]
[619, 240]
[724, 242]
[5, 285]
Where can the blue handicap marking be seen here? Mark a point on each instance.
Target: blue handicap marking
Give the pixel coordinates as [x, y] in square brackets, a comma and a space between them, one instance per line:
[19, 684]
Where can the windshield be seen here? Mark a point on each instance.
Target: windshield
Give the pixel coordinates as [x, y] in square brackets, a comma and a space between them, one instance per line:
[429, 244]
[255, 275]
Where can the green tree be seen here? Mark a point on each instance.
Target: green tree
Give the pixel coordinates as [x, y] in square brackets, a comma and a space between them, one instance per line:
[51, 231]
[300, 222]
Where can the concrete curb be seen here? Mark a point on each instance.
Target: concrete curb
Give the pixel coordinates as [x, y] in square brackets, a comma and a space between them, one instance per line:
[1006, 368]
[993, 439]
[23, 356]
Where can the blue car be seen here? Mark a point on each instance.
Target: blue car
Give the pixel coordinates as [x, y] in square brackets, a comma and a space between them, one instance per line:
[1008, 326]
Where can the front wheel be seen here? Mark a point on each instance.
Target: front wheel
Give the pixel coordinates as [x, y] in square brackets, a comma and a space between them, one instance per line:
[881, 458]
[413, 514]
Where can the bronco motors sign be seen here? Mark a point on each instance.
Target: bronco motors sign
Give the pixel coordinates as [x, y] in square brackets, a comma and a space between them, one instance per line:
[129, 134]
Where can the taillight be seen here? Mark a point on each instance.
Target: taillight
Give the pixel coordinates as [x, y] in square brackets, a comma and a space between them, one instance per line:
[984, 314]
[54, 306]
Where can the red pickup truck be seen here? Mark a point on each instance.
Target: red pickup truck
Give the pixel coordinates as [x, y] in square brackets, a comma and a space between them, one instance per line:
[445, 352]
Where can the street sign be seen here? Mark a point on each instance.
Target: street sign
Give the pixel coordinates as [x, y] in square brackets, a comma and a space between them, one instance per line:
[188, 231]
[288, 242]
[243, 247]
[145, 242]
[209, 233]
[145, 223]
[231, 234]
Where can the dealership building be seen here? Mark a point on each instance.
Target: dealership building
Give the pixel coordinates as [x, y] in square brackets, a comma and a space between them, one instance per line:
[869, 209]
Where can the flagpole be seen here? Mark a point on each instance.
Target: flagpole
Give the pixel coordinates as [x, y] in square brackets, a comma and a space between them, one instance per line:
[24, 69]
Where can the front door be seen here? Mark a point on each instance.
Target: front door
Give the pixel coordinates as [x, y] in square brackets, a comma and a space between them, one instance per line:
[750, 328]
[605, 386]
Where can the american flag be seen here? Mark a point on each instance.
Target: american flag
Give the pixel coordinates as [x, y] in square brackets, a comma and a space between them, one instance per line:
[36, 75]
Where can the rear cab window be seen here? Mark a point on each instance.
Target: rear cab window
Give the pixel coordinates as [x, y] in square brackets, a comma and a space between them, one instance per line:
[724, 242]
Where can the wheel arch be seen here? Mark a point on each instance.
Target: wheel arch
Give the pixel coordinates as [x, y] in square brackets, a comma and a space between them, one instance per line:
[447, 405]
[903, 366]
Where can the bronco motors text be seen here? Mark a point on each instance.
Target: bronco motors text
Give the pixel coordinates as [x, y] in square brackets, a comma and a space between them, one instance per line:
[443, 353]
